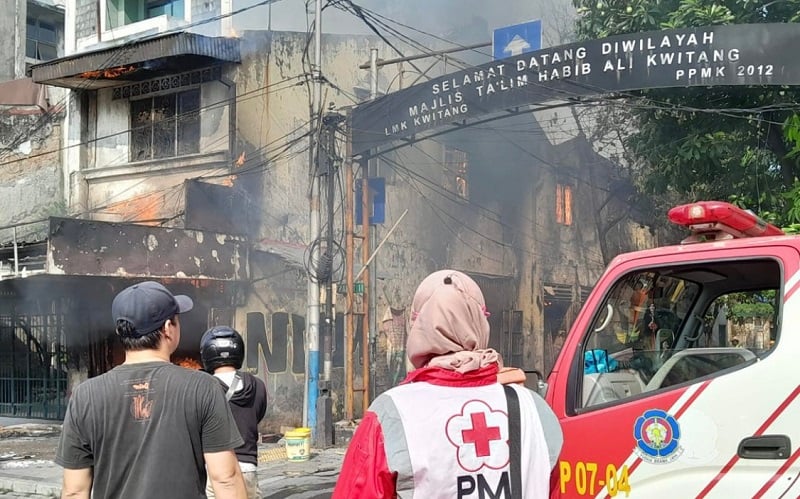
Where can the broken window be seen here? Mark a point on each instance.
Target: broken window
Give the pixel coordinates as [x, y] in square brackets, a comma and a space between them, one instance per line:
[564, 204]
[456, 169]
[165, 126]
[122, 12]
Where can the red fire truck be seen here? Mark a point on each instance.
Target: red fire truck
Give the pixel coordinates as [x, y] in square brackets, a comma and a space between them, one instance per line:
[678, 378]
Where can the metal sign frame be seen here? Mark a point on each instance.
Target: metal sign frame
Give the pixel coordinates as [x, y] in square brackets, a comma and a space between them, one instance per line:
[747, 54]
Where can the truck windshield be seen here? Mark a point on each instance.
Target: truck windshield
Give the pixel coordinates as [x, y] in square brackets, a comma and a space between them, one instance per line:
[660, 328]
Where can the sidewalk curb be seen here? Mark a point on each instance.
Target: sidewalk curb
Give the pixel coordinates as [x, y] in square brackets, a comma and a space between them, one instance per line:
[29, 486]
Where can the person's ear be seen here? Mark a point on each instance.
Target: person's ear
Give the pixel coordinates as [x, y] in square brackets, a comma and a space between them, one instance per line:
[169, 325]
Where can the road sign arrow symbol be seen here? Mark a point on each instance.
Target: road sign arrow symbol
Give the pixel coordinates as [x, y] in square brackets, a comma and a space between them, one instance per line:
[516, 46]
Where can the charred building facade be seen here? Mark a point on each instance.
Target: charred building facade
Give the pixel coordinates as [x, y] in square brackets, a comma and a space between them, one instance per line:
[185, 158]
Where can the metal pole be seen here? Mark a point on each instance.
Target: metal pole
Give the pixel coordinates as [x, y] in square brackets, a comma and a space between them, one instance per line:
[16, 255]
[312, 331]
[372, 277]
[365, 258]
[373, 73]
[324, 435]
[327, 335]
[388, 62]
[400, 72]
[377, 248]
[349, 249]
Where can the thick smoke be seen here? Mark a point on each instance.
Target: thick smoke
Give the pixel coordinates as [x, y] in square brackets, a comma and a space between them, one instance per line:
[459, 21]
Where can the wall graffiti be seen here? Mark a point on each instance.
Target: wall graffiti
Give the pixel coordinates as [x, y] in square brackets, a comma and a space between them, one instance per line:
[285, 329]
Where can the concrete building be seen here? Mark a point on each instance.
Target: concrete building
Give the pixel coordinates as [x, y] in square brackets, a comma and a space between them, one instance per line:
[30, 187]
[184, 158]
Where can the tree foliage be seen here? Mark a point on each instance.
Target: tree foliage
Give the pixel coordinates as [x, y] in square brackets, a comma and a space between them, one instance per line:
[740, 144]
[745, 306]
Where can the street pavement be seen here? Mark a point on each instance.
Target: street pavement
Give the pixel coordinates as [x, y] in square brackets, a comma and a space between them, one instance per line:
[277, 479]
[27, 477]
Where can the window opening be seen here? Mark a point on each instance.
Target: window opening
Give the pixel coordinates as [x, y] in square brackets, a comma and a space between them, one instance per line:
[41, 42]
[564, 204]
[165, 126]
[124, 12]
[456, 166]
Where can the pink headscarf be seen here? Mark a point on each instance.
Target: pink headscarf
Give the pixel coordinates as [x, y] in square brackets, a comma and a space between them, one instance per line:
[449, 328]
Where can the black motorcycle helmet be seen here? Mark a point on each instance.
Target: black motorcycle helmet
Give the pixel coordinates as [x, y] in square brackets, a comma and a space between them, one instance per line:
[221, 346]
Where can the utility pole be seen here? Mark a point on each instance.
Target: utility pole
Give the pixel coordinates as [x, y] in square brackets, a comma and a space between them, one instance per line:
[312, 319]
[372, 303]
[349, 256]
[324, 434]
[364, 307]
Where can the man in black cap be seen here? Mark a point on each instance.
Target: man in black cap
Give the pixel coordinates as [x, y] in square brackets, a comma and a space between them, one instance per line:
[148, 428]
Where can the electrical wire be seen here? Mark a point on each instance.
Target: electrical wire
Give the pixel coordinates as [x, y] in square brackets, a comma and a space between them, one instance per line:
[441, 213]
[259, 166]
[480, 210]
[179, 116]
[458, 45]
[117, 53]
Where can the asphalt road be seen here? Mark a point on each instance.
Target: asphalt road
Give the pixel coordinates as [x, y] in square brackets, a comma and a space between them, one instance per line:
[29, 458]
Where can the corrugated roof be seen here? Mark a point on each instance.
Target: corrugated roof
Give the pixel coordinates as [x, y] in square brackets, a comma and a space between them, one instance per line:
[71, 71]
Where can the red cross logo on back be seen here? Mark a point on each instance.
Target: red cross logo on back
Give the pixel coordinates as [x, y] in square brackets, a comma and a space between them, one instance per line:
[480, 435]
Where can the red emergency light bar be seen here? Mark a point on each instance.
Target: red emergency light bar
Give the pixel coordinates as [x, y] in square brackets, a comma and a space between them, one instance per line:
[713, 220]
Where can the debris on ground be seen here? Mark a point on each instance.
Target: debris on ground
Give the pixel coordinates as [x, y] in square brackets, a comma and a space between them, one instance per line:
[30, 430]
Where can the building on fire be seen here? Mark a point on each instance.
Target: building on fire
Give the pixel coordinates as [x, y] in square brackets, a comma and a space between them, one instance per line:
[180, 153]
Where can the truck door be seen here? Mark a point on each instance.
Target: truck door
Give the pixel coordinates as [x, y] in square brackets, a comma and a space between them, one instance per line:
[676, 380]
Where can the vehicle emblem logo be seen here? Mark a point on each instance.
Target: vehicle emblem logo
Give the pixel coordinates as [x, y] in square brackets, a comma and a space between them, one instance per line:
[657, 437]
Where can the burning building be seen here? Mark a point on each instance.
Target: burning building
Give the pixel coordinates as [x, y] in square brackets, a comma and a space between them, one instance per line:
[185, 159]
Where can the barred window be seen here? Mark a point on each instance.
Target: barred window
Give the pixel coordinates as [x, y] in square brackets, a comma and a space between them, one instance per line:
[564, 204]
[165, 126]
[456, 166]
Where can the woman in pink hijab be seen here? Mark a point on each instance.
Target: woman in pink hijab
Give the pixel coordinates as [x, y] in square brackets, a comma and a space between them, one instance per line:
[444, 432]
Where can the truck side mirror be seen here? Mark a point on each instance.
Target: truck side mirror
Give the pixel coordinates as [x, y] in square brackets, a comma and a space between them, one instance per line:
[541, 383]
[541, 388]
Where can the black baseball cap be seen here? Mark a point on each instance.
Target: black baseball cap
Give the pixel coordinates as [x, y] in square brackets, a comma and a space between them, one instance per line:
[147, 306]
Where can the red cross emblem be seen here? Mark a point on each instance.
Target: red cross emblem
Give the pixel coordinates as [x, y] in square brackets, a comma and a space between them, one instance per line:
[480, 435]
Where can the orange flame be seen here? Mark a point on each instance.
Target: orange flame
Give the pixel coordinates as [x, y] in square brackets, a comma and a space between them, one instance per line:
[188, 363]
[144, 209]
[230, 179]
[108, 73]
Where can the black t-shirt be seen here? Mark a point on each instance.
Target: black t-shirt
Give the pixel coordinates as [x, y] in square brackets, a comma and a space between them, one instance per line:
[144, 429]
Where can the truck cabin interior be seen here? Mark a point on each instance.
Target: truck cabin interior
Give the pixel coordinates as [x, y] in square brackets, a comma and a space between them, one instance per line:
[662, 327]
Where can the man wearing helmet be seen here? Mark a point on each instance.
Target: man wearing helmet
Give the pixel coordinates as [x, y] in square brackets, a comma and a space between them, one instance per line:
[222, 353]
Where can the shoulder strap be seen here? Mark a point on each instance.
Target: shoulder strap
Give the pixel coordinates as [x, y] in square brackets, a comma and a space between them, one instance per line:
[233, 387]
[514, 441]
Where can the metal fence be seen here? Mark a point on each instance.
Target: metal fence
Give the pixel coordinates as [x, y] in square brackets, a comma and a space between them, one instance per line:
[33, 370]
